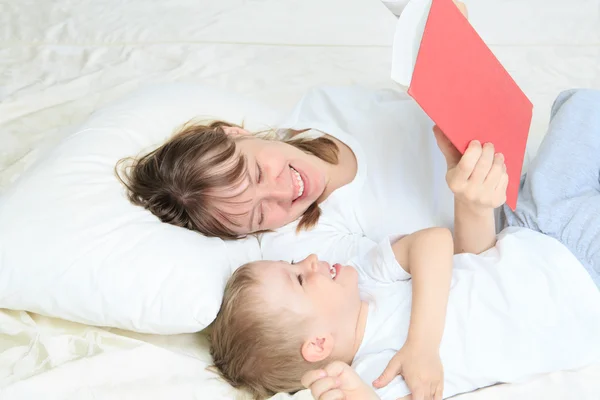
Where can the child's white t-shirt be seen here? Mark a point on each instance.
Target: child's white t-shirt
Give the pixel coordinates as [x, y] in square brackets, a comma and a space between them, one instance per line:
[522, 308]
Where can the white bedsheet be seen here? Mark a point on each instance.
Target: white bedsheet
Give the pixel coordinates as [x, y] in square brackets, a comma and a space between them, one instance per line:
[61, 60]
[42, 358]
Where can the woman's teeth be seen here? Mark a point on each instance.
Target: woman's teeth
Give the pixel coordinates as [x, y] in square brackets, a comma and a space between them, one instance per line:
[300, 182]
[333, 272]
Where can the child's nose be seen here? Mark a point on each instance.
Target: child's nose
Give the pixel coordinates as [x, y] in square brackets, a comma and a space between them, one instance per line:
[313, 262]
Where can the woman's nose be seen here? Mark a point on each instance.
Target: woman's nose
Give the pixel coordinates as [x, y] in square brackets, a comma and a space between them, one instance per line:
[278, 192]
[277, 186]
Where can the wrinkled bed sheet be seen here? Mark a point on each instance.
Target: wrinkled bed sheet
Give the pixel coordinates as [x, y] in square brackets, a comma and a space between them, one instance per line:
[44, 358]
[61, 60]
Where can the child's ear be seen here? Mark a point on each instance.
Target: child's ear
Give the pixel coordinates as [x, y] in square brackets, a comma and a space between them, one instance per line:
[318, 348]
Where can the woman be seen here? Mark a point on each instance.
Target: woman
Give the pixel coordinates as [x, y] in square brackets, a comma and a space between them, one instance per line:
[223, 181]
[317, 190]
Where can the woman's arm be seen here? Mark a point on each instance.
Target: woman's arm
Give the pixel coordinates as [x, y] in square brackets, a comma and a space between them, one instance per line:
[474, 230]
[478, 180]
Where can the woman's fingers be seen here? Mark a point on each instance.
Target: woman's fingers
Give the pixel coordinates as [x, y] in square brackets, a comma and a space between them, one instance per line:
[501, 189]
[498, 169]
[437, 395]
[467, 163]
[462, 7]
[484, 164]
[451, 154]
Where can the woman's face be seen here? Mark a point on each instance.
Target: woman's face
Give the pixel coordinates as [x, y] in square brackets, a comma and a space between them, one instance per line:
[282, 183]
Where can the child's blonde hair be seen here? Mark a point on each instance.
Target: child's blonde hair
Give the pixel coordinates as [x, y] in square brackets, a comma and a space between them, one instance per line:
[256, 347]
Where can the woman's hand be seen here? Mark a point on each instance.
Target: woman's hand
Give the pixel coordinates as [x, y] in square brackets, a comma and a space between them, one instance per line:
[337, 381]
[478, 178]
[421, 369]
[463, 8]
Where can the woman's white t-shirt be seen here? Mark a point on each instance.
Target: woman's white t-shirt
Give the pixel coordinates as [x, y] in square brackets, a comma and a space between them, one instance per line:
[399, 187]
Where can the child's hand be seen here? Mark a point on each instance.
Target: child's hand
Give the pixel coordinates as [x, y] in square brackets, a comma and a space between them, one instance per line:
[478, 178]
[337, 381]
[422, 371]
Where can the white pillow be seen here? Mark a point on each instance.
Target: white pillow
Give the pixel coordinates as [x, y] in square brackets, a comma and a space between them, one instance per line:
[73, 247]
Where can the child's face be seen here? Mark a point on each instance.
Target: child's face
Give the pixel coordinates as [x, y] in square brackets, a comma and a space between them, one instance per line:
[327, 296]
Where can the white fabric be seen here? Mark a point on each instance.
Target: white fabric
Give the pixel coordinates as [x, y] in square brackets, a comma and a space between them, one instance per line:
[72, 245]
[407, 40]
[523, 308]
[399, 187]
[51, 359]
[395, 6]
[61, 60]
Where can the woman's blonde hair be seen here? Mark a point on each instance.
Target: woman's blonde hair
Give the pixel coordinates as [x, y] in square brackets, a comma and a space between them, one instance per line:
[178, 180]
[256, 348]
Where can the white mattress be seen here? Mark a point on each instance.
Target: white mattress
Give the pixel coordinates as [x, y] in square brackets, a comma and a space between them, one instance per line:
[61, 60]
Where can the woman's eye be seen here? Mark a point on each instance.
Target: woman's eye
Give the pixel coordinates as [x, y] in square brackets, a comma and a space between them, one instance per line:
[258, 173]
[300, 279]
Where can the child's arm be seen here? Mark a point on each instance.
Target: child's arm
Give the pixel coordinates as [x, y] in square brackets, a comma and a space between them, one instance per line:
[478, 180]
[427, 256]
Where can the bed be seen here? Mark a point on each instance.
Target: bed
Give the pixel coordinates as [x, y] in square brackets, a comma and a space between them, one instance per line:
[61, 60]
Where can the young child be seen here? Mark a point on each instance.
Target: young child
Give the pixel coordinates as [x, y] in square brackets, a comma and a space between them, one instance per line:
[525, 306]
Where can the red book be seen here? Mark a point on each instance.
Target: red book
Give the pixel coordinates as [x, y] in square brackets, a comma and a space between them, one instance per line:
[464, 89]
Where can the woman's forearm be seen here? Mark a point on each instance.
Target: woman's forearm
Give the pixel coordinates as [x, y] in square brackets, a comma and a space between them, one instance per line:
[474, 229]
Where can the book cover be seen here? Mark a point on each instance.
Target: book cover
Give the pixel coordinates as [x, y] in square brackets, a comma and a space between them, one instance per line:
[465, 90]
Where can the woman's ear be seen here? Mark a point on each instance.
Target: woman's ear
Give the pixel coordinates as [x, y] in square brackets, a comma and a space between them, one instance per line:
[235, 131]
[318, 348]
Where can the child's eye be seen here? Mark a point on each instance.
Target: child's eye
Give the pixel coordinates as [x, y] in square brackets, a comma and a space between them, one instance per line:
[300, 279]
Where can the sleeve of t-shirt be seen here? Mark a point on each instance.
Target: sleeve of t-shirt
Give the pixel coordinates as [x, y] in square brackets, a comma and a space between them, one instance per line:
[377, 262]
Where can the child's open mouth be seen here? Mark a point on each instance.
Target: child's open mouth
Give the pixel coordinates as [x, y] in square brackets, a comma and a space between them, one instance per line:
[334, 270]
